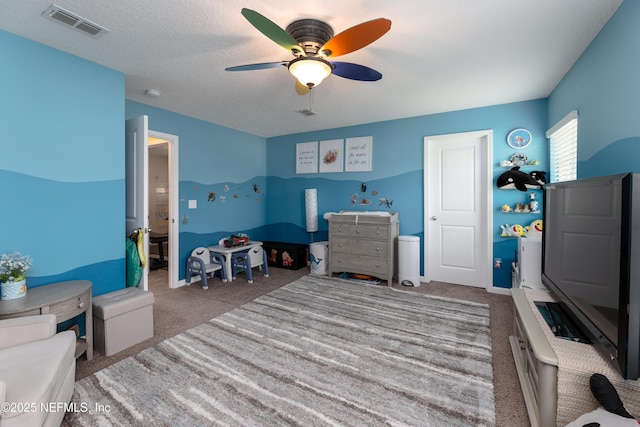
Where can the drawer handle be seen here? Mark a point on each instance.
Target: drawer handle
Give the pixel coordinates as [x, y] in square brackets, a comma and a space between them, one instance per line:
[339, 259]
[377, 265]
[377, 231]
[339, 245]
[377, 249]
[358, 231]
[80, 304]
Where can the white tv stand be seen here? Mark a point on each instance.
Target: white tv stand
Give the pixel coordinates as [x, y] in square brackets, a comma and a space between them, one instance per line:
[536, 364]
[554, 373]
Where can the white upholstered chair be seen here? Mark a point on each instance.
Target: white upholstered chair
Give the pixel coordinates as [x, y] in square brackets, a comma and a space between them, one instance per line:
[37, 371]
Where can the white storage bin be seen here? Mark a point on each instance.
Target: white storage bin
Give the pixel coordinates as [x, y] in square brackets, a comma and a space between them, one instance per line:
[409, 260]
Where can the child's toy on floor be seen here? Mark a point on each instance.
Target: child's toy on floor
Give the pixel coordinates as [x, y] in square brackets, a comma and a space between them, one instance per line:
[611, 413]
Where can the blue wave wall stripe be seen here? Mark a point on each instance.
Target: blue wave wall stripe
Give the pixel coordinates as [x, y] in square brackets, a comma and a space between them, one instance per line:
[106, 276]
[618, 157]
[224, 205]
[62, 225]
[286, 198]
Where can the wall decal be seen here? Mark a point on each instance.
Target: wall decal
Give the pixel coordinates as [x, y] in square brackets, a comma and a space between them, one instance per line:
[385, 201]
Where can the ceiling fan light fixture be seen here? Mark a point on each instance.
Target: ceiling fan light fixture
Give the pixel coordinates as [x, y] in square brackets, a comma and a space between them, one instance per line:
[310, 71]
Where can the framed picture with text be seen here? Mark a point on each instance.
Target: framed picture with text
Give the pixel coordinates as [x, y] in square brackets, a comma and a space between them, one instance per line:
[358, 154]
[307, 157]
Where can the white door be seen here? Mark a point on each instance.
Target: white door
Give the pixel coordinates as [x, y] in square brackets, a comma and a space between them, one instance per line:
[137, 186]
[457, 245]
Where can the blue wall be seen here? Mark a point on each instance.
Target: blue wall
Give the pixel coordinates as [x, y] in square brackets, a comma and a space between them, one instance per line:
[224, 170]
[397, 172]
[604, 86]
[62, 164]
[62, 158]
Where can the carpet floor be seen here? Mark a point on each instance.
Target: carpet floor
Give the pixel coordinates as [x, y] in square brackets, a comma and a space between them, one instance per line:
[317, 351]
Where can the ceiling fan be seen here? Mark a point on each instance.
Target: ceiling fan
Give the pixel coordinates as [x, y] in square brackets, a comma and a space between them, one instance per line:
[313, 44]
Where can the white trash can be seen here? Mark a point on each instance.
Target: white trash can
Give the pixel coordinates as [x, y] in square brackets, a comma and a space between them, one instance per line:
[318, 253]
[409, 260]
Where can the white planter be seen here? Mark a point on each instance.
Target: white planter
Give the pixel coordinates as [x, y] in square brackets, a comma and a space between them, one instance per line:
[13, 290]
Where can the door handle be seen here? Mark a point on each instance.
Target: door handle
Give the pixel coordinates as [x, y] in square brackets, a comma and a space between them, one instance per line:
[434, 218]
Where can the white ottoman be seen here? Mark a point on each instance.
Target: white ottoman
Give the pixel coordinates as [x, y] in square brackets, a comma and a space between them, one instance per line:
[121, 319]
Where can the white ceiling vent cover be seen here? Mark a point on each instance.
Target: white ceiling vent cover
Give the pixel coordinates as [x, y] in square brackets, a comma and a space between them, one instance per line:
[62, 16]
[307, 112]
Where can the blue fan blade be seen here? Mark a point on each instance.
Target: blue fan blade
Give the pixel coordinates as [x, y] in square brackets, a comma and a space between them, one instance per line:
[261, 66]
[355, 72]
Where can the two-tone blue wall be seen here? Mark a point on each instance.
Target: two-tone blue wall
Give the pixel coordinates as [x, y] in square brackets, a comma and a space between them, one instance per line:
[604, 87]
[222, 169]
[397, 172]
[62, 158]
[61, 164]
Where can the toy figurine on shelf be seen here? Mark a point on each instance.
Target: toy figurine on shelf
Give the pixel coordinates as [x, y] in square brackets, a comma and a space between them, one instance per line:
[534, 203]
[534, 230]
[514, 230]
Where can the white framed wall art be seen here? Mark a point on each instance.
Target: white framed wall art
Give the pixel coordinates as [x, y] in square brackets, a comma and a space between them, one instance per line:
[331, 155]
[358, 154]
[307, 157]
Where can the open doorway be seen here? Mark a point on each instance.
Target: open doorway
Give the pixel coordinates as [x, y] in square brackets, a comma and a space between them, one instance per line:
[163, 192]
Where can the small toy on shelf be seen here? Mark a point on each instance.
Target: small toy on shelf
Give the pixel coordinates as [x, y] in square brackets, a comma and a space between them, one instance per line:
[511, 230]
[534, 203]
[534, 230]
[515, 179]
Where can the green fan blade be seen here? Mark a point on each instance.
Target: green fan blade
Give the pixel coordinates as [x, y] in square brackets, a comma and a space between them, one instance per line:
[273, 31]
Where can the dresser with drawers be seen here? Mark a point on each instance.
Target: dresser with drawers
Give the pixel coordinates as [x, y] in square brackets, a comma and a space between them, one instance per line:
[364, 243]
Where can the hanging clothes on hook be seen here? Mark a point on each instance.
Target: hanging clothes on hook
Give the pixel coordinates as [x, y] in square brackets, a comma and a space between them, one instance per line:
[136, 260]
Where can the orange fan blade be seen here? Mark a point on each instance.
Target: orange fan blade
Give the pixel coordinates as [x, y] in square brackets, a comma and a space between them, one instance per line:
[356, 37]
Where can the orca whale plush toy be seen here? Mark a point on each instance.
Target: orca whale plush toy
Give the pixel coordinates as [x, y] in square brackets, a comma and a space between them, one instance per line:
[514, 178]
[611, 413]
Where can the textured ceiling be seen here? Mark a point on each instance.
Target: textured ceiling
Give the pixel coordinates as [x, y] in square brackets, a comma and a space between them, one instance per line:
[440, 55]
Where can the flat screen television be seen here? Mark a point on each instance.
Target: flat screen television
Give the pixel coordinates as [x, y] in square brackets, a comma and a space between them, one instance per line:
[591, 261]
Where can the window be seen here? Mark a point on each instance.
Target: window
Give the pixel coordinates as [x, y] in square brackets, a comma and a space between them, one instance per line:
[563, 150]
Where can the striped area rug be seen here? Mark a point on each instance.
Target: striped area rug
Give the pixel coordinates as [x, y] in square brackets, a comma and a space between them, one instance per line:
[316, 352]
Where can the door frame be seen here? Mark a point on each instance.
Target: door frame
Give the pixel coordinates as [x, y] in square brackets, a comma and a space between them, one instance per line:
[486, 178]
[173, 231]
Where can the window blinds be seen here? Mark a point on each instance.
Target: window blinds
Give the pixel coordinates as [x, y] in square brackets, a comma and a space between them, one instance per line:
[563, 138]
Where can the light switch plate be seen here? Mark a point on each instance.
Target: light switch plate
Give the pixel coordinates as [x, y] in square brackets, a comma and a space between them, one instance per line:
[193, 204]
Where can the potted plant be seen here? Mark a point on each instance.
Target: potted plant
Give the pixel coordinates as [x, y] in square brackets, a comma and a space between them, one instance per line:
[13, 269]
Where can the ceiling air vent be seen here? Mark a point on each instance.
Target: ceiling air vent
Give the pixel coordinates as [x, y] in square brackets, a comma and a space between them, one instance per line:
[307, 112]
[58, 14]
